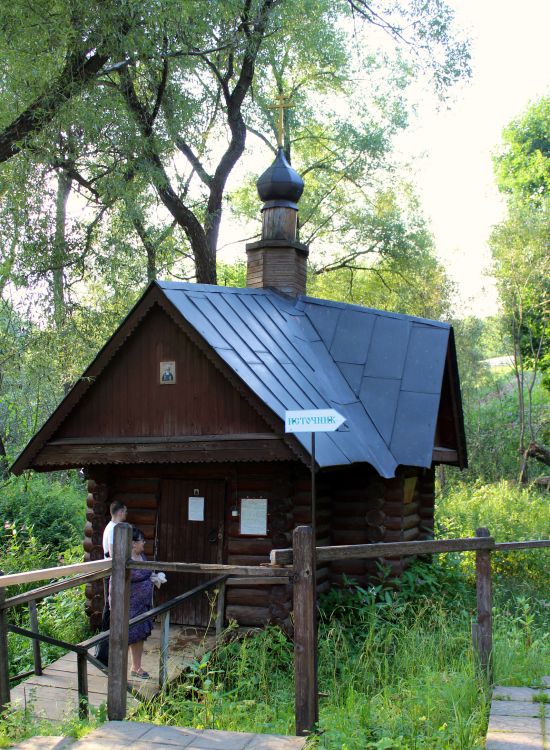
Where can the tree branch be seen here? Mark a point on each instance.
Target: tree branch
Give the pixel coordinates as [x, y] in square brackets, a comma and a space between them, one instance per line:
[194, 160]
[160, 91]
[79, 69]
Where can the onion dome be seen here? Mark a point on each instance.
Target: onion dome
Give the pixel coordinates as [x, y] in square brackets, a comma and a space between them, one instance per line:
[280, 185]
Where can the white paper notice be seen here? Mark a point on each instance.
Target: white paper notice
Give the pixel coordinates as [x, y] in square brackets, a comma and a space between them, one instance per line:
[254, 516]
[196, 509]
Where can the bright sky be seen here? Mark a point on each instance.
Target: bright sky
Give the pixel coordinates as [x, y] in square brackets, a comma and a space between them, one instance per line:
[511, 67]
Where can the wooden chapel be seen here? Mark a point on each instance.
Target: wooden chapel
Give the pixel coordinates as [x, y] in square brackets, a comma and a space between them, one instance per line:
[181, 416]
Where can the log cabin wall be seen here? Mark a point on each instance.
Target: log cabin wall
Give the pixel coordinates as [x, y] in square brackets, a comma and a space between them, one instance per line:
[97, 510]
[302, 515]
[140, 495]
[357, 518]
[426, 503]
[139, 487]
[367, 508]
[354, 506]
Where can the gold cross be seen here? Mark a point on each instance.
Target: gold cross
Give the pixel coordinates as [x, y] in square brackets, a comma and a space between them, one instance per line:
[282, 104]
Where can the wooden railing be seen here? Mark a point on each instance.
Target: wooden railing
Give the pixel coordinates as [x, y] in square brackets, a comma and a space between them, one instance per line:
[83, 573]
[296, 565]
[304, 558]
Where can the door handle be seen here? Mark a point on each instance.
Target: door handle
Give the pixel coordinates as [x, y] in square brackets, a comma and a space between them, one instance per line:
[213, 536]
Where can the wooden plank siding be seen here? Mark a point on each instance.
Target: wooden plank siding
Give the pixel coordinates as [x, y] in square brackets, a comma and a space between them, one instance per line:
[128, 401]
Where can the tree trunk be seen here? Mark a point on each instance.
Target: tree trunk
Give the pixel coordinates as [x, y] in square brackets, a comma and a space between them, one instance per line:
[59, 257]
[79, 69]
[520, 382]
[4, 467]
[540, 452]
[150, 248]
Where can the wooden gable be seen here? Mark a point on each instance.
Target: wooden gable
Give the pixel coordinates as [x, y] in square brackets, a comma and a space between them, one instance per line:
[125, 413]
[129, 400]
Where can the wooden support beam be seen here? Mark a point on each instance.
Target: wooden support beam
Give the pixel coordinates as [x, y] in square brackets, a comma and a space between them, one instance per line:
[483, 631]
[305, 632]
[164, 648]
[120, 607]
[272, 581]
[33, 620]
[82, 677]
[386, 549]
[208, 568]
[4, 657]
[58, 572]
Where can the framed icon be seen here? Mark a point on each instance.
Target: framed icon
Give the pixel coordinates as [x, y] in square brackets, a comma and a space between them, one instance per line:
[167, 373]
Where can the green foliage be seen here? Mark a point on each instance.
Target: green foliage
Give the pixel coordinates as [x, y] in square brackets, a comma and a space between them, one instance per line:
[522, 165]
[52, 509]
[395, 669]
[511, 513]
[492, 426]
[520, 243]
[61, 615]
[522, 268]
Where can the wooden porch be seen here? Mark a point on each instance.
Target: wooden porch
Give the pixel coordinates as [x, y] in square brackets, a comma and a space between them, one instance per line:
[54, 693]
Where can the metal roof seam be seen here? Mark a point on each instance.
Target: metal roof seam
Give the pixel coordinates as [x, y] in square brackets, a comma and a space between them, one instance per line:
[373, 311]
[259, 330]
[229, 325]
[390, 440]
[284, 334]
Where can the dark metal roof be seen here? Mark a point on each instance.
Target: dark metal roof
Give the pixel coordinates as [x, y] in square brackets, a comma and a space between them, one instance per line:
[382, 371]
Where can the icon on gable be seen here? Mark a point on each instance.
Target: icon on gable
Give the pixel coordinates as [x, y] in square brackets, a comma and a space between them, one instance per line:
[167, 372]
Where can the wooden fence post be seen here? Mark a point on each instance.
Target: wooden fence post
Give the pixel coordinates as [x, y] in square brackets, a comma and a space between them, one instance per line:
[120, 606]
[4, 657]
[482, 630]
[82, 676]
[305, 632]
[220, 609]
[33, 620]
[164, 643]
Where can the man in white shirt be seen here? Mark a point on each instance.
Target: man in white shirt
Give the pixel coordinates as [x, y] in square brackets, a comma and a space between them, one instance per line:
[118, 514]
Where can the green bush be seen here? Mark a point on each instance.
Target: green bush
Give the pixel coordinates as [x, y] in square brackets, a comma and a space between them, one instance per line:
[54, 507]
[61, 616]
[394, 672]
[511, 513]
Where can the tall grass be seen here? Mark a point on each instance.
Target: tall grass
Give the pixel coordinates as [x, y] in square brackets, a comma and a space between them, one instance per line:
[396, 665]
[396, 670]
[512, 513]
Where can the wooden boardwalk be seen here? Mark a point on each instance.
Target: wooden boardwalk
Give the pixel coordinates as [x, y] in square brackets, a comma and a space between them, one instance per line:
[54, 694]
[520, 718]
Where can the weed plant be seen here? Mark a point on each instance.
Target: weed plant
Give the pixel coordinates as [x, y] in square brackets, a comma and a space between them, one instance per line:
[396, 668]
[511, 513]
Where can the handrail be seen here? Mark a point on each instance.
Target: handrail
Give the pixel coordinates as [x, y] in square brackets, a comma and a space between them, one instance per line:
[77, 648]
[58, 572]
[209, 568]
[405, 549]
[95, 639]
[530, 544]
[51, 588]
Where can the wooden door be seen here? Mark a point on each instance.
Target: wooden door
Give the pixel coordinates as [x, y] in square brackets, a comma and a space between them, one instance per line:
[183, 540]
